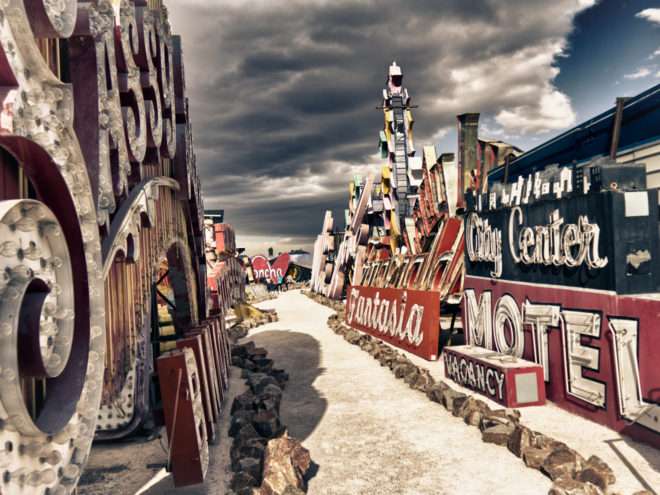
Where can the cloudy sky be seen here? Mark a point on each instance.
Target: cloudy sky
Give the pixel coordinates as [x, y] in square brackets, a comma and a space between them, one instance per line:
[284, 92]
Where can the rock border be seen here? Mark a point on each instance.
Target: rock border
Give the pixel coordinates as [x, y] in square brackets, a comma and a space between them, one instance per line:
[264, 458]
[241, 328]
[570, 472]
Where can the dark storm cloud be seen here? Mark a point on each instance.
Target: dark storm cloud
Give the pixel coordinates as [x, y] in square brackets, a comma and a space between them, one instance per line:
[284, 93]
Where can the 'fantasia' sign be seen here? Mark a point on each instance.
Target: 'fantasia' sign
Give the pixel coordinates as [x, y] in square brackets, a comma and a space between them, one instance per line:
[511, 382]
[598, 350]
[409, 319]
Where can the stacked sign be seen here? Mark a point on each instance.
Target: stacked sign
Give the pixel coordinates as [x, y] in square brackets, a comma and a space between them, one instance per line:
[560, 271]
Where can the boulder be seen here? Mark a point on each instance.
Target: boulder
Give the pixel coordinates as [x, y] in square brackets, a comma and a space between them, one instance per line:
[252, 466]
[271, 391]
[450, 397]
[498, 434]
[259, 381]
[292, 490]
[249, 365]
[243, 480]
[245, 434]
[521, 438]
[238, 351]
[469, 406]
[267, 424]
[240, 419]
[499, 417]
[565, 485]
[254, 447]
[401, 370]
[281, 376]
[237, 361]
[457, 405]
[257, 353]
[411, 375]
[473, 418]
[242, 402]
[543, 441]
[563, 461]
[597, 472]
[286, 464]
[270, 404]
[435, 392]
[263, 364]
[424, 381]
[534, 457]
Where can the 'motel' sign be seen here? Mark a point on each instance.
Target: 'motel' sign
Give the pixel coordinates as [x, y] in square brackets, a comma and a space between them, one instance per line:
[553, 280]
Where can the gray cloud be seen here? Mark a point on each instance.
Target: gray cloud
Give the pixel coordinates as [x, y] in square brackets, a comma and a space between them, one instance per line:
[284, 93]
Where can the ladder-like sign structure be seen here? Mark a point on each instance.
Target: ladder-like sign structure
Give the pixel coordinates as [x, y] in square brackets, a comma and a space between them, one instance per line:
[401, 286]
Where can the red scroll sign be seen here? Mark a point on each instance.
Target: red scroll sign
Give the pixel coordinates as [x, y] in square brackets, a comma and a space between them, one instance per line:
[409, 319]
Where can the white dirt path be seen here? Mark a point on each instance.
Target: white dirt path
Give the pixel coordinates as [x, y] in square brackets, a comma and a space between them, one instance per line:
[370, 433]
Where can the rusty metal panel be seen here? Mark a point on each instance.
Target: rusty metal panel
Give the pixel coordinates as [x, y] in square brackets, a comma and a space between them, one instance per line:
[217, 359]
[211, 371]
[184, 417]
[195, 343]
[405, 318]
[223, 347]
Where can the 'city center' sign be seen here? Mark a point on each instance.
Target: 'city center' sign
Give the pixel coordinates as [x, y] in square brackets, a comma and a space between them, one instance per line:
[567, 277]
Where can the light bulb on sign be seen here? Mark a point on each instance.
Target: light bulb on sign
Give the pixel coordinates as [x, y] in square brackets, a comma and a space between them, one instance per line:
[26, 224]
[9, 249]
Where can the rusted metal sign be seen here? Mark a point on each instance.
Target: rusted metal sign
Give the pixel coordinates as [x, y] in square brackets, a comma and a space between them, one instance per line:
[195, 343]
[184, 417]
[509, 381]
[405, 318]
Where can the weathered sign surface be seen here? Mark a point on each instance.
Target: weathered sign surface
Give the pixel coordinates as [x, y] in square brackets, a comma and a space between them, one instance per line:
[509, 381]
[405, 318]
[264, 270]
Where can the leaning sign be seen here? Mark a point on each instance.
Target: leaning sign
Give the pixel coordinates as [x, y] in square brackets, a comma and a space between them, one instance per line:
[507, 380]
[561, 270]
[405, 318]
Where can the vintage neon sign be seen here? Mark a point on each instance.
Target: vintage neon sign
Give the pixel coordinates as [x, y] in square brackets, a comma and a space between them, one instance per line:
[406, 318]
[551, 278]
[596, 360]
[263, 270]
[510, 382]
[555, 244]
